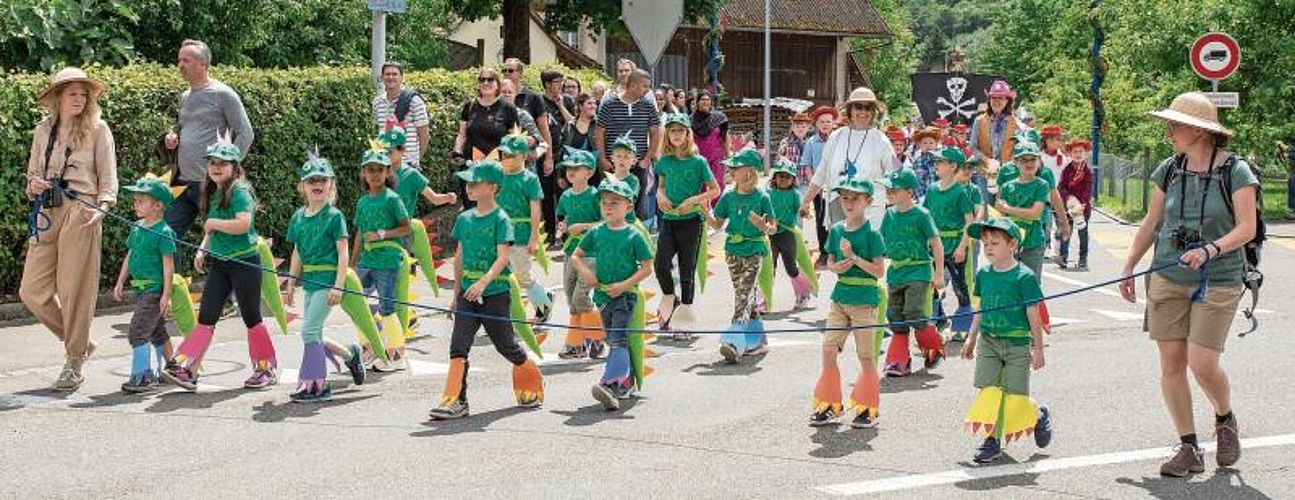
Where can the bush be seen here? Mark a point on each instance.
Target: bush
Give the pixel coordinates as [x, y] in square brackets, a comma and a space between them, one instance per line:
[290, 110]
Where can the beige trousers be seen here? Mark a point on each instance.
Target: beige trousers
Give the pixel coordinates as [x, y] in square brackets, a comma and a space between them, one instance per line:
[60, 278]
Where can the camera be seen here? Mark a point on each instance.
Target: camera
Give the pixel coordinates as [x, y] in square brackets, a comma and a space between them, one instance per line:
[53, 197]
[1186, 238]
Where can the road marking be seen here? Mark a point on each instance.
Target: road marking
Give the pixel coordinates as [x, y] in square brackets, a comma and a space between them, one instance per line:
[1286, 243]
[1071, 281]
[1117, 243]
[1046, 465]
[1060, 321]
[1119, 315]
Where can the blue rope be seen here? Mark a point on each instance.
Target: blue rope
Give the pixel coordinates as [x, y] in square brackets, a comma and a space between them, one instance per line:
[262, 268]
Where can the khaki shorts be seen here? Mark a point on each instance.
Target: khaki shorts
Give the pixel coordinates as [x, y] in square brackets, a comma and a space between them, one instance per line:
[841, 315]
[1171, 314]
[1001, 364]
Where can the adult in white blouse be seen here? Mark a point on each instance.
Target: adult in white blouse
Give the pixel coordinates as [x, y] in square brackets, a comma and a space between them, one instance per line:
[859, 148]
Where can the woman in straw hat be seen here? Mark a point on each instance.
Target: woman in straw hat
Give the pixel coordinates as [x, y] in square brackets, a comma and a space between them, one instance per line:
[856, 150]
[72, 151]
[1190, 306]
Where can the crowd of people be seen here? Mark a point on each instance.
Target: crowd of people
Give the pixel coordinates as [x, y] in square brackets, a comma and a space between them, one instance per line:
[629, 184]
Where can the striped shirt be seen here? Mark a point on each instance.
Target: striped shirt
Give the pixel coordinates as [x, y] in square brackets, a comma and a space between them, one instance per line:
[615, 116]
[417, 117]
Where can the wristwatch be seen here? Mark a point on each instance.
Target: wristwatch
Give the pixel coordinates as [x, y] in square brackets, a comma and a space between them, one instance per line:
[382, 234]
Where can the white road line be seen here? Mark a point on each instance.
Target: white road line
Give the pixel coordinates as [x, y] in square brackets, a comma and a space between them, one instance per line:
[1075, 282]
[1119, 315]
[1046, 465]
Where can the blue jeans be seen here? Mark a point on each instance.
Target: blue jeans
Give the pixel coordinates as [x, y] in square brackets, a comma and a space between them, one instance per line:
[384, 281]
[1064, 245]
[616, 314]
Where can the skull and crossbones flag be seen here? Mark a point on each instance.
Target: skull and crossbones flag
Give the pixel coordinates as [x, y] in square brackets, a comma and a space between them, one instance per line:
[952, 96]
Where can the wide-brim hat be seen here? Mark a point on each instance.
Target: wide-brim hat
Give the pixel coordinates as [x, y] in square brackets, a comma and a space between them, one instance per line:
[904, 178]
[578, 158]
[1000, 88]
[482, 171]
[940, 122]
[801, 117]
[159, 188]
[864, 95]
[976, 229]
[1053, 131]
[856, 185]
[617, 187]
[824, 110]
[71, 75]
[1194, 109]
[1078, 143]
[747, 157]
[929, 132]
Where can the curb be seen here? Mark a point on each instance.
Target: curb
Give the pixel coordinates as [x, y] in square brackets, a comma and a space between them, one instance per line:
[16, 314]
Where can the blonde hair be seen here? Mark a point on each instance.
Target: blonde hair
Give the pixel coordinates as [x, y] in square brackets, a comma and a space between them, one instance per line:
[332, 190]
[688, 149]
[84, 123]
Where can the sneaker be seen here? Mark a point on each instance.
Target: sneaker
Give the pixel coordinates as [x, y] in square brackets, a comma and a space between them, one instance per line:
[182, 377]
[573, 352]
[597, 349]
[542, 314]
[1056, 259]
[863, 421]
[728, 352]
[1082, 266]
[532, 402]
[355, 365]
[1043, 429]
[1187, 459]
[309, 396]
[68, 380]
[393, 364]
[1228, 449]
[827, 416]
[449, 411]
[144, 383]
[933, 360]
[988, 451]
[625, 391]
[898, 370]
[763, 348]
[802, 303]
[607, 396]
[261, 379]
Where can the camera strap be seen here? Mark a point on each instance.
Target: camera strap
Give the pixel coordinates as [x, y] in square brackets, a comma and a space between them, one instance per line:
[1205, 192]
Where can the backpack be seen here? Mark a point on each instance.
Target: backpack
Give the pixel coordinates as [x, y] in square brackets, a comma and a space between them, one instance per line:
[403, 103]
[1252, 278]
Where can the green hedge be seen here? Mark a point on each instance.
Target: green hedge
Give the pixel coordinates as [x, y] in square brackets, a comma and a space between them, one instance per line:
[290, 110]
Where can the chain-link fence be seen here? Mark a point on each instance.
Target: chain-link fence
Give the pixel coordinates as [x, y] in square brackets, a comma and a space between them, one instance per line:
[1123, 181]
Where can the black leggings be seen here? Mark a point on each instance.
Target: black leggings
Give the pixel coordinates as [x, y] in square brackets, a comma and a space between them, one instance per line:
[500, 331]
[784, 247]
[682, 238]
[226, 276]
[549, 205]
[820, 211]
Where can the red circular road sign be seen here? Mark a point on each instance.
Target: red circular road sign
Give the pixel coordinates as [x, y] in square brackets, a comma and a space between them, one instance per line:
[1215, 56]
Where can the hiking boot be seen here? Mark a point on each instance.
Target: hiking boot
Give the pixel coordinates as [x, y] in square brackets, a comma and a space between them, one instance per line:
[355, 365]
[309, 396]
[729, 353]
[597, 349]
[449, 411]
[1228, 449]
[827, 416]
[863, 421]
[573, 352]
[182, 377]
[606, 395]
[68, 380]
[988, 451]
[1188, 459]
[1043, 429]
[261, 379]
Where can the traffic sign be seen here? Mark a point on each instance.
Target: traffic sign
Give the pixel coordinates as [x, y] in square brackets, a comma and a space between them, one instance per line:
[389, 6]
[1225, 99]
[652, 24]
[1215, 56]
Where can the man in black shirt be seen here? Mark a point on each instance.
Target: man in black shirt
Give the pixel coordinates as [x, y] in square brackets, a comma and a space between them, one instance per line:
[560, 110]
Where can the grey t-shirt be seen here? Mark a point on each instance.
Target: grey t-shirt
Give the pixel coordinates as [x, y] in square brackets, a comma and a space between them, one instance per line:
[1183, 206]
[203, 112]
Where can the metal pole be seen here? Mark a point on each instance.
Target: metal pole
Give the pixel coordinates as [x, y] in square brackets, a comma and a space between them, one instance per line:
[768, 68]
[379, 56]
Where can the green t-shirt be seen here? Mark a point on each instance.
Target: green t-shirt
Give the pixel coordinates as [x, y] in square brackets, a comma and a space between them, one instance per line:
[379, 211]
[786, 205]
[240, 200]
[1024, 195]
[315, 237]
[578, 208]
[410, 183]
[1183, 207]
[516, 192]
[974, 192]
[864, 242]
[999, 289]
[633, 182]
[146, 251]
[479, 237]
[618, 252]
[949, 209]
[908, 235]
[682, 179]
[1011, 172]
[744, 239]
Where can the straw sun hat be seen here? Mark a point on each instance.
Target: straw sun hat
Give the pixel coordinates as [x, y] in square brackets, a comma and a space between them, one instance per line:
[1196, 110]
[70, 75]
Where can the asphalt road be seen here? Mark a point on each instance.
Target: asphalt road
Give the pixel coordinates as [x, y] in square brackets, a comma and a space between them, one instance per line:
[701, 429]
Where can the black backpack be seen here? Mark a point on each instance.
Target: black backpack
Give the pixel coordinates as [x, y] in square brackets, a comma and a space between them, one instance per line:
[403, 103]
[1251, 253]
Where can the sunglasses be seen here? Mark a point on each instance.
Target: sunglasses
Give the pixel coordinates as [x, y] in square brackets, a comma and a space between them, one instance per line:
[486, 79]
[510, 70]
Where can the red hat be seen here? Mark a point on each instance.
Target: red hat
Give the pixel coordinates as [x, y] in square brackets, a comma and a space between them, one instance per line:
[950, 141]
[824, 110]
[929, 132]
[940, 122]
[961, 128]
[895, 134]
[1079, 143]
[1053, 131]
[1000, 88]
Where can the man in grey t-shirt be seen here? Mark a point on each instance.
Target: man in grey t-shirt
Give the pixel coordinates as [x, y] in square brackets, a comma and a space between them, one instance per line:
[207, 107]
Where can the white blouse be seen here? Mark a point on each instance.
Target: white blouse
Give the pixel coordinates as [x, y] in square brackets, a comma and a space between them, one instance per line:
[872, 156]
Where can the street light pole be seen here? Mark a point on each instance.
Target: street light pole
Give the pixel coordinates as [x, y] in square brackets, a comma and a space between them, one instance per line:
[768, 68]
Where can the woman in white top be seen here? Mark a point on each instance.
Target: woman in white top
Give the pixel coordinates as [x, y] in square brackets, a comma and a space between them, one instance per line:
[858, 148]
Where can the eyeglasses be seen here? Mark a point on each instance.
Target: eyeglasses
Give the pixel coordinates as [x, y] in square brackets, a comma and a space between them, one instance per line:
[510, 70]
[570, 87]
[486, 79]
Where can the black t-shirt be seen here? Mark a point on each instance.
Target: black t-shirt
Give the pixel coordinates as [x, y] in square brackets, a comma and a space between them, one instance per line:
[533, 103]
[487, 125]
[557, 124]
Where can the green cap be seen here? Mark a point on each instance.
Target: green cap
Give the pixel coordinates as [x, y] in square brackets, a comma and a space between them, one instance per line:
[578, 158]
[1026, 149]
[782, 166]
[515, 144]
[678, 119]
[904, 178]
[316, 166]
[953, 155]
[618, 188]
[482, 171]
[393, 137]
[156, 187]
[1028, 135]
[747, 157]
[1001, 223]
[856, 185]
[625, 142]
[376, 156]
[225, 151]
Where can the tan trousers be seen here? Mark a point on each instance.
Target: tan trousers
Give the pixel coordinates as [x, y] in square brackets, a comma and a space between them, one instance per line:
[60, 278]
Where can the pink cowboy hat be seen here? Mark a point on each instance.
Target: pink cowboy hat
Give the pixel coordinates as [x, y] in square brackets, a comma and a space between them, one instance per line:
[1000, 88]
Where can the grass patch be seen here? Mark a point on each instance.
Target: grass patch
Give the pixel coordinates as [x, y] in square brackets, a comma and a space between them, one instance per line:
[1128, 206]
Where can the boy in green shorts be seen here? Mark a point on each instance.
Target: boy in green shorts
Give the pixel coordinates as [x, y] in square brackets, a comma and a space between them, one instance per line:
[912, 242]
[951, 208]
[579, 212]
[1012, 344]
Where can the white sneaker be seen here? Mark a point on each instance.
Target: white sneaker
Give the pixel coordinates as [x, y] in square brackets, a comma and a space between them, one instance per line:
[394, 365]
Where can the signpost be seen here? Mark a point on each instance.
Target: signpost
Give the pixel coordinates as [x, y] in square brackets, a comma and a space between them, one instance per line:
[380, 9]
[652, 23]
[1215, 56]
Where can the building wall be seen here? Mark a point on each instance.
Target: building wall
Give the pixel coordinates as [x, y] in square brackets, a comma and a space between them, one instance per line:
[542, 49]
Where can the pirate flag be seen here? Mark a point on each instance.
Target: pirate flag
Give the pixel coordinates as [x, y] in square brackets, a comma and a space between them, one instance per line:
[952, 96]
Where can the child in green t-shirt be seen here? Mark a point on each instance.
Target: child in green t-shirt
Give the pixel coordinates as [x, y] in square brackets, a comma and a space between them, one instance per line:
[1006, 342]
[520, 195]
[377, 255]
[624, 154]
[913, 244]
[624, 260]
[410, 183]
[150, 265]
[482, 295]
[787, 242]
[749, 214]
[952, 209]
[1024, 199]
[685, 188]
[856, 253]
[578, 213]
